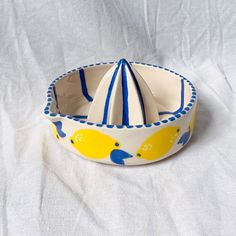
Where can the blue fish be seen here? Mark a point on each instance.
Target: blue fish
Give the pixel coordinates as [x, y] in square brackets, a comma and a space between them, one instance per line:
[58, 125]
[117, 156]
[185, 137]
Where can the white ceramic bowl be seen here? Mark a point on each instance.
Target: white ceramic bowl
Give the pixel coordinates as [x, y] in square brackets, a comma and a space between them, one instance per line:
[69, 98]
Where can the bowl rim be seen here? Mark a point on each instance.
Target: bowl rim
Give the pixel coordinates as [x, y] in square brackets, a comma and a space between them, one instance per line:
[47, 112]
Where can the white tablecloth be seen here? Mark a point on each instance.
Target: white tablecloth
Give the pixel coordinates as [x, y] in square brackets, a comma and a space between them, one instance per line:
[46, 190]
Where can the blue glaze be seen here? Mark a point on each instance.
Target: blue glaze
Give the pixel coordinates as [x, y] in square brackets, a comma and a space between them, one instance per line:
[50, 88]
[139, 92]
[80, 116]
[107, 102]
[157, 123]
[164, 121]
[125, 118]
[165, 113]
[181, 102]
[56, 99]
[182, 98]
[58, 125]
[125, 111]
[171, 118]
[184, 138]
[76, 119]
[84, 86]
[117, 156]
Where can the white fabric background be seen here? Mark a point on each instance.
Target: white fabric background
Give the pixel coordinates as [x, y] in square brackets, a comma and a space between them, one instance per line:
[46, 190]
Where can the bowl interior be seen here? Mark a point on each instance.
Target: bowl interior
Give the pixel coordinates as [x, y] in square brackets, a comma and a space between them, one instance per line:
[73, 94]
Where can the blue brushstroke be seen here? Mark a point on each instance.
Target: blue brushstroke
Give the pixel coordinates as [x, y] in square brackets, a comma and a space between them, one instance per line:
[106, 108]
[58, 125]
[84, 86]
[185, 137]
[55, 94]
[165, 113]
[182, 98]
[125, 118]
[117, 156]
[80, 116]
[181, 103]
[139, 92]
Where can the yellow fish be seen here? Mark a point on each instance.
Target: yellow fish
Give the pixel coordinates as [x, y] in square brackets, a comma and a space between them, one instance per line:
[159, 143]
[96, 145]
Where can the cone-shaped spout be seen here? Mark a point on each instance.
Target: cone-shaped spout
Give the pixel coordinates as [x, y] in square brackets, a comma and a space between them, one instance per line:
[123, 98]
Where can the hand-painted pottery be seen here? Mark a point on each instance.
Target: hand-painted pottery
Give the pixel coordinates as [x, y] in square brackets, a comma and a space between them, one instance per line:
[124, 113]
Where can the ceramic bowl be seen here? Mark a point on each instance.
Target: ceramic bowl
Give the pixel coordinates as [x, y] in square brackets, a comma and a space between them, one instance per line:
[70, 96]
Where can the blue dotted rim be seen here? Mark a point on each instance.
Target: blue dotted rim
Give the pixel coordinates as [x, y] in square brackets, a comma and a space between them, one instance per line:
[186, 109]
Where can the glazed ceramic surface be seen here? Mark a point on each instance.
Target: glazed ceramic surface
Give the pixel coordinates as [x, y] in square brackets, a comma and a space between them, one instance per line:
[77, 114]
[123, 98]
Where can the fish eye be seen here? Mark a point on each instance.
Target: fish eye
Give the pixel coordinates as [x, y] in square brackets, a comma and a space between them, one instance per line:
[57, 136]
[138, 155]
[178, 130]
[117, 144]
[72, 141]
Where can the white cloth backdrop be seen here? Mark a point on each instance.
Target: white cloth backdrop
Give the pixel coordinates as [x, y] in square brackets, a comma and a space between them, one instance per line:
[46, 190]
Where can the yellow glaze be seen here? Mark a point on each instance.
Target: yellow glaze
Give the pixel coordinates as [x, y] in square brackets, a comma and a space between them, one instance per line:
[158, 144]
[93, 144]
